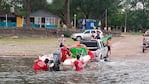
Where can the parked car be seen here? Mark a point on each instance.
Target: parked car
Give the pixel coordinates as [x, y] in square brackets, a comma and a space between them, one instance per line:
[145, 41]
[86, 35]
[98, 48]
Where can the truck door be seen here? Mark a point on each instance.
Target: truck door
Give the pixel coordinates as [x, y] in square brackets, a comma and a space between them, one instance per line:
[87, 35]
[104, 49]
[93, 32]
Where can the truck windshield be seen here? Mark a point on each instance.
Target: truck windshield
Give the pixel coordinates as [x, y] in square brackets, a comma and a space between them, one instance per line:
[90, 44]
[87, 32]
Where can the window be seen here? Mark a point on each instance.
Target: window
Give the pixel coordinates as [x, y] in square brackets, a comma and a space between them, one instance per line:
[50, 20]
[32, 20]
[87, 32]
[92, 31]
[37, 20]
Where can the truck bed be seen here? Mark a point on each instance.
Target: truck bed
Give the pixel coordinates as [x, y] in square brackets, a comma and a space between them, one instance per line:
[91, 45]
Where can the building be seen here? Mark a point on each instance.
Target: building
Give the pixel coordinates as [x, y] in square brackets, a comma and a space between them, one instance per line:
[38, 19]
[7, 20]
[43, 19]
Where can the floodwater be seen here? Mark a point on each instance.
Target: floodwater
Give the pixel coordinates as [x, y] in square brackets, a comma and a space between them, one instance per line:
[18, 70]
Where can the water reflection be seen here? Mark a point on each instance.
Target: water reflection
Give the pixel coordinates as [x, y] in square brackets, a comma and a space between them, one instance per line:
[19, 64]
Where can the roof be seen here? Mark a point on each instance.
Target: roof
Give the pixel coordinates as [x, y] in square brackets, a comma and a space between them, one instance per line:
[42, 13]
[8, 15]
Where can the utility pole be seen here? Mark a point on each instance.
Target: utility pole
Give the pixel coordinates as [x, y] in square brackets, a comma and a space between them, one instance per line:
[75, 22]
[125, 29]
[106, 19]
[6, 21]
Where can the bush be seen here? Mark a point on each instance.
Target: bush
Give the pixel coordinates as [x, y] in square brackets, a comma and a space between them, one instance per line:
[67, 33]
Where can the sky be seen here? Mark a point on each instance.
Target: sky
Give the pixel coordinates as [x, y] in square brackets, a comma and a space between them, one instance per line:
[49, 1]
[139, 5]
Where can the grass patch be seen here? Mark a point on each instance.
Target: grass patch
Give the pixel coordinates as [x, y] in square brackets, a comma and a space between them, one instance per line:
[31, 40]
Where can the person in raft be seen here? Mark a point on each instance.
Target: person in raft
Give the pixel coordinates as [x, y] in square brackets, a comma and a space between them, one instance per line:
[40, 65]
[79, 64]
[89, 52]
[65, 53]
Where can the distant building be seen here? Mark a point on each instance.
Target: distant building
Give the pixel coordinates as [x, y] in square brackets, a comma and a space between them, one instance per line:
[87, 23]
[38, 19]
[7, 20]
[44, 19]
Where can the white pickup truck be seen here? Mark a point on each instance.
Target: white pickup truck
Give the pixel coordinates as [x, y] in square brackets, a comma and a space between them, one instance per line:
[86, 35]
[98, 48]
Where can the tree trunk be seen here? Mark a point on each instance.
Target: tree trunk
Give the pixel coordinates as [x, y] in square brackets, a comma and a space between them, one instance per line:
[67, 8]
[28, 10]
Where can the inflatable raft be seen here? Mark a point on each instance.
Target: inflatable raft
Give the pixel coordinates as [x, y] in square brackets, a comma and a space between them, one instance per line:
[68, 63]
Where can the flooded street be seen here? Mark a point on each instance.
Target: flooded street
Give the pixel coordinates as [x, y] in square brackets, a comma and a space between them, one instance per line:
[128, 65]
[116, 72]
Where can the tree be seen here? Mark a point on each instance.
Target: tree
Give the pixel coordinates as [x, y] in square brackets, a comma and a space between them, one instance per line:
[67, 13]
[38, 4]
[139, 15]
[95, 9]
[4, 6]
[27, 7]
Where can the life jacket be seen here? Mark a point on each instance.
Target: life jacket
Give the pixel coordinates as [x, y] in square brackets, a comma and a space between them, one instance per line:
[91, 55]
[64, 54]
[78, 65]
[40, 65]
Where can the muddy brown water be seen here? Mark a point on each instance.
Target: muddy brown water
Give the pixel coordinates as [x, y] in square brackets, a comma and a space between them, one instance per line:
[18, 70]
[128, 65]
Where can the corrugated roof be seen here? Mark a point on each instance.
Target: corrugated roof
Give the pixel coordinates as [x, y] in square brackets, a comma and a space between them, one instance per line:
[41, 13]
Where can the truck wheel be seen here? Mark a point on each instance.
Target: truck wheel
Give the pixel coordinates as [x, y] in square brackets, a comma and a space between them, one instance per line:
[106, 58]
[78, 38]
[100, 56]
[143, 50]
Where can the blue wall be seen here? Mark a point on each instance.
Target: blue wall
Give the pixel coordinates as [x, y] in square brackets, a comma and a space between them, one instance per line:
[88, 23]
[9, 24]
[13, 24]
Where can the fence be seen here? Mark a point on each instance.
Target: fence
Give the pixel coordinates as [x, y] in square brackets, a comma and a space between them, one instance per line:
[28, 32]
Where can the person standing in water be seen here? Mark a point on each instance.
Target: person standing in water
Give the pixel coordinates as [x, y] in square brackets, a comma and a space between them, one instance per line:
[79, 64]
[61, 40]
[108, 44]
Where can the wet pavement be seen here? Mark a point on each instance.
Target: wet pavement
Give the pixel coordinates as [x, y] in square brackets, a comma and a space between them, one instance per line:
[18, 70]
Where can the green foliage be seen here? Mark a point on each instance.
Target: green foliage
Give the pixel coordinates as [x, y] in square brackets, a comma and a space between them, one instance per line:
[4, 7]
[137, 19]
[20, 11]
[38, 4]
[57, 8]
[117, 19]
[67, 33]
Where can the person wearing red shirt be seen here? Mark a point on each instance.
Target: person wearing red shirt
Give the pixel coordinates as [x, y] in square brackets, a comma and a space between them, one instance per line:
[78, 64]
[65, 53]
[40, 65]
[90, 53]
